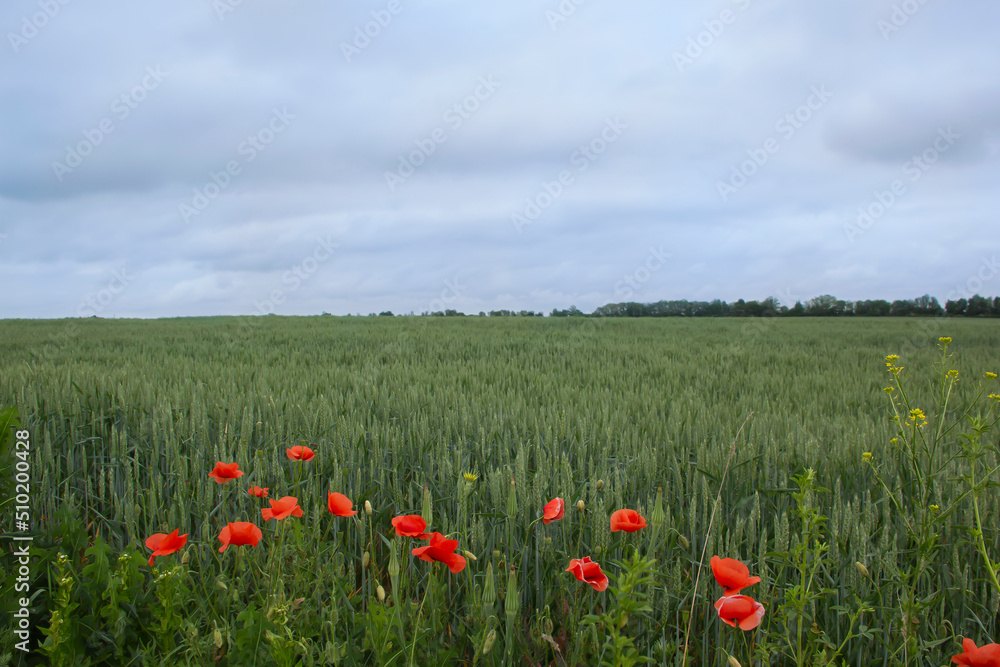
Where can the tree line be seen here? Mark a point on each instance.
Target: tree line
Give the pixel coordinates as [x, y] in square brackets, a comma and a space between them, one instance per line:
[825, 305]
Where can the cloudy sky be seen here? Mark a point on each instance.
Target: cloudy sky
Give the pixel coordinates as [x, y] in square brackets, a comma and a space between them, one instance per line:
[198, 157]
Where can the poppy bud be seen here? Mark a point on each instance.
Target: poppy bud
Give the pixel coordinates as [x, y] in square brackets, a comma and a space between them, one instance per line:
[733, 662]
[365, 559]
[580, 505]
[426, 511]
[862, 570]
[511, 501]
[380, 592]
[512, 605]
[658, 516]
[600, 484]
[368, 508]
[471, 556]
[489, 589]
[393, 564]
[683, 541]
[217, 638]
[221, 584]
[490, 640]
[185, 558]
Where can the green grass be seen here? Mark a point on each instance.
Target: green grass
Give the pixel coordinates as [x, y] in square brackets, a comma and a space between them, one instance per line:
[127, 417]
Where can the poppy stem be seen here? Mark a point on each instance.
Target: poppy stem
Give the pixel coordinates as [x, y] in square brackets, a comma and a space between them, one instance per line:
[704, 549]
[416, 620]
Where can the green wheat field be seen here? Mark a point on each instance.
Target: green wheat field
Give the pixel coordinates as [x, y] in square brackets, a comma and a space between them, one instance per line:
[437, 416]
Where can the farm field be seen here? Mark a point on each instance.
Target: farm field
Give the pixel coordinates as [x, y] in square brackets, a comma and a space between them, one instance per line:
[477, 423]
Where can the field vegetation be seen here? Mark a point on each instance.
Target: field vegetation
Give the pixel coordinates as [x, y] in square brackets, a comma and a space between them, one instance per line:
[870, 526]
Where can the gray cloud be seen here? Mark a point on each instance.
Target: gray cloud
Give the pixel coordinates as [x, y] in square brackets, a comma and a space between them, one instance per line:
[188, 185]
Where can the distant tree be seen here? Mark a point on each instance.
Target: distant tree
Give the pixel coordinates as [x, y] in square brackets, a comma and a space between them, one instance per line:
[955, 307]
[771, 306]
[901, 308]
[797, 310]
[978, 307]
[927, 305]
[386, 313]
[825, 305]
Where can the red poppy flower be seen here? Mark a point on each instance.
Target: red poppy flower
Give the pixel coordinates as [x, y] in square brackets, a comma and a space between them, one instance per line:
[441, 550]
[164, 545]
[732, 575]
[740, 609]
[300, 453]
[588, 572]
[627, 520]
[410, 525]
[973, 656]
[223, 472]
[339, 504]
[238, 534]
[553, 510]
[257, 491]
[282, 509]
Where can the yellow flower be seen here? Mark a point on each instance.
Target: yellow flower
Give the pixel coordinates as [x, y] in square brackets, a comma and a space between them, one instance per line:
[889, 390]
[934, 508]
[894, 441]
[945, 339]
[991, 376]
[953, 373]
[470, 477]
[918, 415]
[995, 397]
[867, 456]
[892, 357]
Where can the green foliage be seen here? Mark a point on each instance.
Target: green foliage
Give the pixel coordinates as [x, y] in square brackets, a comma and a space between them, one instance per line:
[630, 596]
[127, 417]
